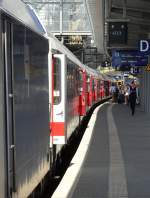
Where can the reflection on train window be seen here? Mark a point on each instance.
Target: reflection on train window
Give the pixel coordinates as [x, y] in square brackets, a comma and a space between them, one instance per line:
[29, 65]
[72, 80]
[86, 88]
[88, 83]
[80, 81]
[57, 81]
[93, 85]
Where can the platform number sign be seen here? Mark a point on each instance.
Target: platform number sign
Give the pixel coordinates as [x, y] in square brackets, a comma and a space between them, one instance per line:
[144, 46]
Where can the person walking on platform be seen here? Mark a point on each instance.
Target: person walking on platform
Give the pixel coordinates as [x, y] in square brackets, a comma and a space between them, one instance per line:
[127, 92]
[132, 97]
[114, 91]
[121, 95]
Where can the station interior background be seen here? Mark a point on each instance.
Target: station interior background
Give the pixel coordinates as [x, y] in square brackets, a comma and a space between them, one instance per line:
[86, 26]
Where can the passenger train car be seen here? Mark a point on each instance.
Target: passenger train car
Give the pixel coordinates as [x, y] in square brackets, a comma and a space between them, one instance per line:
[65, 82]
[45, 92]
[24, 130]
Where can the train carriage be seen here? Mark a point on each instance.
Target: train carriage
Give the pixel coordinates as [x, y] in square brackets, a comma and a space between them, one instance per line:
[65, 87]
[24, 132]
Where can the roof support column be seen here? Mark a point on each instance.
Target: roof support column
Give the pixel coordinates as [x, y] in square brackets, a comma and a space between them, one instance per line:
[107, 4]
[124, 5]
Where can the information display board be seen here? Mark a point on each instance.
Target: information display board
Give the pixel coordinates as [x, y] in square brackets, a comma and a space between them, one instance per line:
[131, 58]
[118, 33]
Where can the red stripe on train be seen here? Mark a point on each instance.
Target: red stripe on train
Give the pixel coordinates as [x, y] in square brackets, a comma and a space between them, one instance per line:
[57, 129]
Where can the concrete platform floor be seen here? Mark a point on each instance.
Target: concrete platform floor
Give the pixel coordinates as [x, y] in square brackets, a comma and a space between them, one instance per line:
[116, 163]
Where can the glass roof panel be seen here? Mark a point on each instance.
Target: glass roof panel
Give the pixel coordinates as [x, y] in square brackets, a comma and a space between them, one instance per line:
[62, 15]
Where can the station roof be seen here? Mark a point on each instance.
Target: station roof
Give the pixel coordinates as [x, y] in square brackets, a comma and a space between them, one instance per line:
[92, 16]
[136, 12]
[65, 17]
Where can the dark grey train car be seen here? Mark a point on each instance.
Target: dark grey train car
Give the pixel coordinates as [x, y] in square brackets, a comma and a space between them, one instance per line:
[24, 130]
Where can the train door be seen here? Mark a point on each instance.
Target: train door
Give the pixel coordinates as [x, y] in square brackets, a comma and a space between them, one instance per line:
[86, 91]
[58, 112]
[102, 89]
[2, 121]
[10, 142]
[92, 90]
[82, 98]
[89, 90]
[96, 89]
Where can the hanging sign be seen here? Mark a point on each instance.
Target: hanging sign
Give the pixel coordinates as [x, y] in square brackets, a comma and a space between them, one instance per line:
[131, 58]
[118, 33]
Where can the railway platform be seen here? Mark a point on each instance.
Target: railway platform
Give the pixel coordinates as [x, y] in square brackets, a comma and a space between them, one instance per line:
[112, 160]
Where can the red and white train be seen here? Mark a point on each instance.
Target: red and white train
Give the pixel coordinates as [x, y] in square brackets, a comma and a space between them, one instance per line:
[74, 89]
[45, 92]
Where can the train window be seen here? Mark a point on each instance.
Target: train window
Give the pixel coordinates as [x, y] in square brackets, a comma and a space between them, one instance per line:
[88, 83]
[29, 64]
[93, 85]
[99, 84]
[71, 80]
[57, 81]
[86, 88]
[76, 81]
[80, 81]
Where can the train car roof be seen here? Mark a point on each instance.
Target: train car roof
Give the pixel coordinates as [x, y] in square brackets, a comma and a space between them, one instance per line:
[108, 78]
[57, 45]
[98, 74]
[92, 71]
[23, 13]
